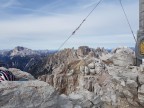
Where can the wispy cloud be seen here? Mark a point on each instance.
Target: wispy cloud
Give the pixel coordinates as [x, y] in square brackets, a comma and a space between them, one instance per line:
[8, 3]
[47, 25]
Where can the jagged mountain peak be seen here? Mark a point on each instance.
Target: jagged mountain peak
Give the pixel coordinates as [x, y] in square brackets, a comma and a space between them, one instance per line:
[20, 48]
[22, 51]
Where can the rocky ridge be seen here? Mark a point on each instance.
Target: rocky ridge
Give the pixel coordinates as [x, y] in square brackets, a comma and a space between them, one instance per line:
[23, 58]
[113, 77]
[27, 92]
[87, 78]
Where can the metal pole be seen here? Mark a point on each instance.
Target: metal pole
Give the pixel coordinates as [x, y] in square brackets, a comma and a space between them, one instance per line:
[139, 49]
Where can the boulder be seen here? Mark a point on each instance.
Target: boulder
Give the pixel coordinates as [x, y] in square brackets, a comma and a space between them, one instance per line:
[123, 57]
[27, 94]
[91, 65]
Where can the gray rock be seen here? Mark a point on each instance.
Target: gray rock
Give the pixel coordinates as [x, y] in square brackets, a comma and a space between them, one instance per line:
[87, 104]
[92, 71]
[142, 68]
[98, 70]
[77, 106]
[141, 99]
[70, 73]
[141, 94]
[64, 102]
[131, 84]
[87, 72]
[127, 94]
[141, 89]
[27, 94]
[82, 69]
[76, 96]
[91, 65]
[97, 100]
[123, 57]
[141, 78]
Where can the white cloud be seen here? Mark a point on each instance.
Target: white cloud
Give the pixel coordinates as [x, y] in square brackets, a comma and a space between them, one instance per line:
[9, 3]
[106, 25]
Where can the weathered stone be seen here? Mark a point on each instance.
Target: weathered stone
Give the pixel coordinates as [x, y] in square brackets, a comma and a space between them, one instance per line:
[75, 96]
[141, 78]
[141, 89]
[141, 99]
[127, 94]
[91, 65]
[87, 104]
[29, 94]
[132, 102]
[97, 100]
[77, 106]
[82, 69]
[123, 57]
[142, 68]
[70, 73]
[92, 71]
[87, 72]
[131, 84]
[98, 70]
[122, 83]
[141, 94]
[64, 102]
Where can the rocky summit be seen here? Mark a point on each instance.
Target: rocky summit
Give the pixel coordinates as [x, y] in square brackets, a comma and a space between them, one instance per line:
[81, 78]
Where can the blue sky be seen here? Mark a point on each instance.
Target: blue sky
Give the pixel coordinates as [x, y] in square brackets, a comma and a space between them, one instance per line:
[45, 24]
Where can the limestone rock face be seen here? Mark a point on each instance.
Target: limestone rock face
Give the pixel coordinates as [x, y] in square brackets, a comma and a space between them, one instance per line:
[141, 78]
[113, 81]
[27, 94]
[123, 57]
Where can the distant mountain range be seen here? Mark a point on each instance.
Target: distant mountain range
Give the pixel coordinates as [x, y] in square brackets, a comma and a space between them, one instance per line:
[40, 62]
[22, 58]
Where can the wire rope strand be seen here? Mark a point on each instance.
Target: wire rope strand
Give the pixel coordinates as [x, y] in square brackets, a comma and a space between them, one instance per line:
[127, 20]
[79, 25]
